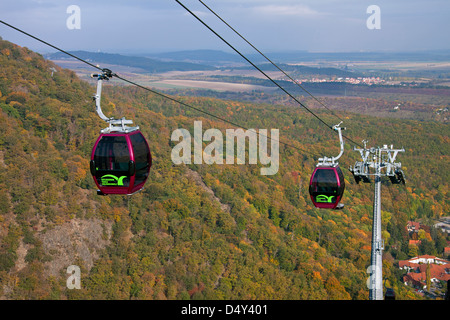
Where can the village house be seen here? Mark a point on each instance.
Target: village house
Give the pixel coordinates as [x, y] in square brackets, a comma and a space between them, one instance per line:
[417, 270]
[412, 226]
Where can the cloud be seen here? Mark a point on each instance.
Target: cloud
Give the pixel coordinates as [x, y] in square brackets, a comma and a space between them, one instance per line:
[273, 25]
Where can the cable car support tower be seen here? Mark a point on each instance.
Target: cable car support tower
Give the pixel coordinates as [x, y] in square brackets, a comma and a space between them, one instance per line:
[377, 162]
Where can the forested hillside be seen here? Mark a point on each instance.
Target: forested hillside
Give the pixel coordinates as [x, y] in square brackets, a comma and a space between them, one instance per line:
[195, 231]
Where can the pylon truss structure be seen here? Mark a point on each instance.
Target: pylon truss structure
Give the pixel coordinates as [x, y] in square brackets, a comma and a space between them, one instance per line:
[381, 158]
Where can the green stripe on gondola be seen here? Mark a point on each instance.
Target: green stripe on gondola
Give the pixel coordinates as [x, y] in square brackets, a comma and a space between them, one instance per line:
[112, 180]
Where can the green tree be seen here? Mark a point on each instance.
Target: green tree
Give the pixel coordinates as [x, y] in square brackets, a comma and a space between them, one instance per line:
[428, 277]
[413, 251]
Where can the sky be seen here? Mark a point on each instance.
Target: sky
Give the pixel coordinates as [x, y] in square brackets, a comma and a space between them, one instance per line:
[149, 26]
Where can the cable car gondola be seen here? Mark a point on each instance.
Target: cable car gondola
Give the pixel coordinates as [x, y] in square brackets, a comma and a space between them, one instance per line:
[327, 184]
[120, 159]
[120, 162]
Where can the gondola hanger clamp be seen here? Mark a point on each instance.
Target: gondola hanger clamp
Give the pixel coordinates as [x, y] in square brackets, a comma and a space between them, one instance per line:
[115, 125]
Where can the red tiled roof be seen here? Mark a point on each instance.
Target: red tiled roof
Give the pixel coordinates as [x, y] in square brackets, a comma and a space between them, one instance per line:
[406, 263]
[425, 256]
[437, 271]
[414, 224]
[416, 278]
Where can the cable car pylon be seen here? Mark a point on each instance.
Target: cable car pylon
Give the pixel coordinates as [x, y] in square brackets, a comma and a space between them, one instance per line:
[382, 162]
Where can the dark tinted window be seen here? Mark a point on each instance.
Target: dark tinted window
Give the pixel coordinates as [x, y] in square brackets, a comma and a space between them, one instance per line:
[324, 180]
[141, 157]
[112, 161]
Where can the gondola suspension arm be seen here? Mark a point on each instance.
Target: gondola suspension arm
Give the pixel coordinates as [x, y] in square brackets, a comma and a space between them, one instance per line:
[325, 161]
[118, 125]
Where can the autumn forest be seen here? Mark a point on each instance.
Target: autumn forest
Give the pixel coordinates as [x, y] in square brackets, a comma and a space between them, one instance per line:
[198, 231]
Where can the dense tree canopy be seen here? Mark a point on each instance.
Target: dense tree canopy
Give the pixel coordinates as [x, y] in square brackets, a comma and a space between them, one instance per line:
[258, 237]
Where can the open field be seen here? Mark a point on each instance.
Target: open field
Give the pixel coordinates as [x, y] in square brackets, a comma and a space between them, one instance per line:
[208, 85]
[174, 79]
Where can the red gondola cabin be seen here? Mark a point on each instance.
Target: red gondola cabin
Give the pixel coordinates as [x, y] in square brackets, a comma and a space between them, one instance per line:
[120, 162]
[326, 186]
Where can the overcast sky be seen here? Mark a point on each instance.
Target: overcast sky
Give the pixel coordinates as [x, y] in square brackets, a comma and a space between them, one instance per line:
[140, 26]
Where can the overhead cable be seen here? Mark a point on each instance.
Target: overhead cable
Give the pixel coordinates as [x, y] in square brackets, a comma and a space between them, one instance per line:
[262, 72]
[269, 60]
[150, 90]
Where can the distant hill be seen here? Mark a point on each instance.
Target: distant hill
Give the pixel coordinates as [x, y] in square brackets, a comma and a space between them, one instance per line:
[299, 70]
[147, 64]
[203, 56]
[198, 60]
[214, 56]
[296, 56]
